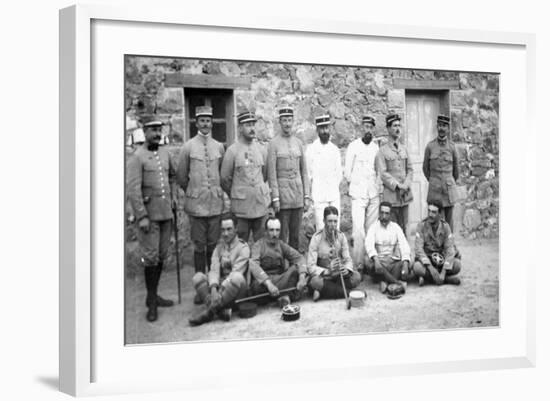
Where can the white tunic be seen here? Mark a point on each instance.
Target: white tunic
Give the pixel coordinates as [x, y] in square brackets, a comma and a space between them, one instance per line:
[324, 166]
[360, 169]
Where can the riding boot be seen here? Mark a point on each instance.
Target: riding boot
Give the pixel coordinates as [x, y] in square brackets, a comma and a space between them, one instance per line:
[151, 285]
[202, 294]
[161, 302]
[199, 260]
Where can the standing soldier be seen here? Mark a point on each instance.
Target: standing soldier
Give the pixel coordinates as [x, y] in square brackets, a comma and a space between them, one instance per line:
[244, 176]
[287, 174]
[361, 172]
[396, 172]
[441, 169]
[152, 193]
[325, 170]
[198, 174]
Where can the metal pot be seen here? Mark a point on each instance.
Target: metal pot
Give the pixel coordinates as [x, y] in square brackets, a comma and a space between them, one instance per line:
[290, 313]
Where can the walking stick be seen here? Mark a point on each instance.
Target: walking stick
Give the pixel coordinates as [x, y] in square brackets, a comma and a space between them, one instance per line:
[265, 294]
[348, 301]
[177, 253]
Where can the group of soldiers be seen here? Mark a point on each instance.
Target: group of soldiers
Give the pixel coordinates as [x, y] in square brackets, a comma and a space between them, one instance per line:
[269, 189]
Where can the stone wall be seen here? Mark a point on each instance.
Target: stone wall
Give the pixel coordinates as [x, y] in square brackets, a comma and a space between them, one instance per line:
[347, 93]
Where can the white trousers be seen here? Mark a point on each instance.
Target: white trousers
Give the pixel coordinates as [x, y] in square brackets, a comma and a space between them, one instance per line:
[319, 209]
[364, 213]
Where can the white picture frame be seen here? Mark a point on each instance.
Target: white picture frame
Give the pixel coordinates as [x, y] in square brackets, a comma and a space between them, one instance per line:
[83, 353]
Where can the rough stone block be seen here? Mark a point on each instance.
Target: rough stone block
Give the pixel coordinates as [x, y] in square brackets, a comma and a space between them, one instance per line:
[303, 73]
[396, 99]
[230, 69]
[170, 100]
[458, 99]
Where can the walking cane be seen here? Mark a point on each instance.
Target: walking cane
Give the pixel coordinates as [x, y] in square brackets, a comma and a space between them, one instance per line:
[348, 301]
[177, 253]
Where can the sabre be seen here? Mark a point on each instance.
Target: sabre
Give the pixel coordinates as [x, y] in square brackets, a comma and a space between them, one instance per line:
[174, 211]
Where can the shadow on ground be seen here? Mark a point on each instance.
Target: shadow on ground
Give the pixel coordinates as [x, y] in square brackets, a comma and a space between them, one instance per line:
[472, 304]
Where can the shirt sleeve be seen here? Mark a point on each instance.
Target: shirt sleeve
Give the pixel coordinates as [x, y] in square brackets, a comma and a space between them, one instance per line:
[304, 172]
[214, 273]
[370, 247]
[240, 257]
[338, 165]
[404, 247]
[272, 171]
[419, 252]
[228, 165]
[182, 172]
[387, 178]
[409, 170]
[254, 264]
[172, 167]
[294, 257]
[135, 180]
[426, 164]
[349, 161]
[456, 172]
[449, 249]
[346, 257]
[312, 268]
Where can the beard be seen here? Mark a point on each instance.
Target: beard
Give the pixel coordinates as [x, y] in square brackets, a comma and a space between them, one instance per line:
[367, 138]
[324, 139]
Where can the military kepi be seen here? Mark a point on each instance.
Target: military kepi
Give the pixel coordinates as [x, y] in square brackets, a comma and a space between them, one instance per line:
[322, 120]
[369, 120]
[286, 111]
[390, 118]
[245, 117]
[443, 119]
[151, 120]
[203, 111]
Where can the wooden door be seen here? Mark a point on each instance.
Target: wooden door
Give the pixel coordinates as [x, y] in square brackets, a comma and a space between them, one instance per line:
[422, 108]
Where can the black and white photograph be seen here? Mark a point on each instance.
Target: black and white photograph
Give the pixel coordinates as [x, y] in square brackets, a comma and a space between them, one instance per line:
[275, 200]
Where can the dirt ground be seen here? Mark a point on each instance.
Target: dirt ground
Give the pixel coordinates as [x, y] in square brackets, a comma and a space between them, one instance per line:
[475, 303]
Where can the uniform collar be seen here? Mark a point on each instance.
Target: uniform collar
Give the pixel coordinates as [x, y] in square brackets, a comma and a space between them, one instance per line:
[232, 244]
[203, 138]
[442, 141]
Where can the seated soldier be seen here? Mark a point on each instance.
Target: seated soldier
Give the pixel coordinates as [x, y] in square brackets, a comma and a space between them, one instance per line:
[328, 257]
[436, 258]
[226, 280]
[275, 265]
[387, 257]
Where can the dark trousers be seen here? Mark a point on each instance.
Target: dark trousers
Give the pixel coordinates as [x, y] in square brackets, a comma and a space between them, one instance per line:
[448, 213]
[155, 243]
[331, 287]
[400, 215]
[291, 220]
[391, 270]
[287, 279]
[205, 232]
[256, 226]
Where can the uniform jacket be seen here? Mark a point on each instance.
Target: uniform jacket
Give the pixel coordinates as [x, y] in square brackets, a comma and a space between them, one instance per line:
[427, 242]
[324, 171]
[387, 242]
[287, 171]
[227, 258]
[150, 177]
[198, 174]
[361, 170]
[322, 250]
[441, 170]
[244, 178]
[268, 259]
[395, 167]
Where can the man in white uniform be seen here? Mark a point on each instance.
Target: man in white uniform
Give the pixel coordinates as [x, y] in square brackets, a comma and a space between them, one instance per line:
[364, 186]
[324, 170]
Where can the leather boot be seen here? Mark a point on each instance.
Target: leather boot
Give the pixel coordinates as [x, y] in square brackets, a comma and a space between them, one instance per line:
[454, 280]
[199, 261]
[202, 318]
[151, 285]
[202, 295]
[161, 302]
